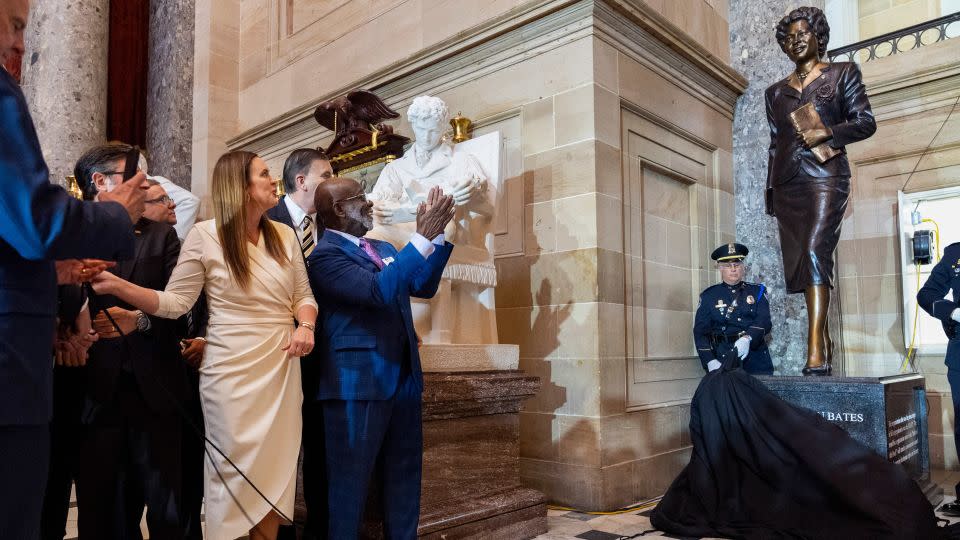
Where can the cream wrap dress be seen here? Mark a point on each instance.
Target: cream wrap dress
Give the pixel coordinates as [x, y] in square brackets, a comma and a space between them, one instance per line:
[249, 389]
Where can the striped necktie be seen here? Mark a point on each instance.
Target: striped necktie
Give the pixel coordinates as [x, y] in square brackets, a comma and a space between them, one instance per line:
[306, 236]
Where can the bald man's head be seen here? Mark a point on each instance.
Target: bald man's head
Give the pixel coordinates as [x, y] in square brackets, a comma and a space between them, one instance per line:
[343, 206]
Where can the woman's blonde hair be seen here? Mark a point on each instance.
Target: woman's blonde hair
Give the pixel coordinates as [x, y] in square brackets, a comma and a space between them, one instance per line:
[231, 177]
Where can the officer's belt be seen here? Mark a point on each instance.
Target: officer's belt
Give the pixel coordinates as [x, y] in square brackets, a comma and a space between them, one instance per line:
[718, 339]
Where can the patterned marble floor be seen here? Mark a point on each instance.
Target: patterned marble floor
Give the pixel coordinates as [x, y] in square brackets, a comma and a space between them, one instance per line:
[566, 525]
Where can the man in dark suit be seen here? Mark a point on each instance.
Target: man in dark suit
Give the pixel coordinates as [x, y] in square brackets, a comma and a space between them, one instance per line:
[130, 452]
[932, 297]
[303, 171]
[365, 370]
[40, 223]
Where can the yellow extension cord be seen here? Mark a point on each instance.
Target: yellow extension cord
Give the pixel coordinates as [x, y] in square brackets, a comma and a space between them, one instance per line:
[626, 510]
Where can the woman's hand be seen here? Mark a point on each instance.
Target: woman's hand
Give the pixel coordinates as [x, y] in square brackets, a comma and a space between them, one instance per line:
[105, 283]
[193, 351]
[301, 342]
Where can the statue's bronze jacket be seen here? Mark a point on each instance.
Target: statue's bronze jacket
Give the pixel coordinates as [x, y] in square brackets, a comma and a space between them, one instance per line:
[841, 101]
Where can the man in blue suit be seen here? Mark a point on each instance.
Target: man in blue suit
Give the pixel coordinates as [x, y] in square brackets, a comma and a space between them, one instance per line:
[40, 223]
[365, 370]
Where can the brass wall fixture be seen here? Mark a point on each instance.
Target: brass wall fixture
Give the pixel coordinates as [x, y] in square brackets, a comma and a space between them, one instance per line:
[461, 128]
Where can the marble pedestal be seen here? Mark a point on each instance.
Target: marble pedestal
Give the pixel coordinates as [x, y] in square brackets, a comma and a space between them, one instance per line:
[471, 456]
[888, 414]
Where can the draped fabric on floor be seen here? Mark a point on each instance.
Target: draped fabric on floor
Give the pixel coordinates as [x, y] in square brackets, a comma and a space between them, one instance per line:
[762, 468]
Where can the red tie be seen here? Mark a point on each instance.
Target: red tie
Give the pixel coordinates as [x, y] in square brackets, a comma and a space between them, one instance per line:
[372, 253]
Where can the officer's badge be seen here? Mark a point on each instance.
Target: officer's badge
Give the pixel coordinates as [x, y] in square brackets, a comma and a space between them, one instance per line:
[732, 250]
[750, 299]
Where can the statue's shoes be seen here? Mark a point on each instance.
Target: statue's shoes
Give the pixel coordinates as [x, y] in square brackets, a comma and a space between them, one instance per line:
[820, 371]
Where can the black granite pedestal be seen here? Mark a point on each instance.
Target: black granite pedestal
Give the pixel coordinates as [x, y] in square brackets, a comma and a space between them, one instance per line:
[888, 414]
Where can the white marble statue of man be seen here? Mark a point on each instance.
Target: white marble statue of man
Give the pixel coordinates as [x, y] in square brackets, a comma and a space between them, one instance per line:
[462, 312]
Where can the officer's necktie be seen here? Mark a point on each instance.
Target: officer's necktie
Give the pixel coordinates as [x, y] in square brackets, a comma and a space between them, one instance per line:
[306, 236]
[372, 253]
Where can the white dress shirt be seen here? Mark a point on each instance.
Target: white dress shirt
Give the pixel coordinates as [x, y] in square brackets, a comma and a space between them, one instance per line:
[296, 216]
[188, 205]
[424, 246]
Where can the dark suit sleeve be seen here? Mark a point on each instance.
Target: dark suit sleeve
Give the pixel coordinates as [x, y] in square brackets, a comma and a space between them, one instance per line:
[860, 123]
[931, 295]
[427, 281]
[40, 220]
[701, 334]
[335, 276]
[762, 325]
[171, 252]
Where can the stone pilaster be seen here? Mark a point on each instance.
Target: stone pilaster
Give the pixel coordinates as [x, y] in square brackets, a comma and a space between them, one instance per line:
[65, 78]
[170, 90]
[755, 54]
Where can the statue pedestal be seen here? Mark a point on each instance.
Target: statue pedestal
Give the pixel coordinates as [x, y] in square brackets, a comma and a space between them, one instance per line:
[471, 458]
[471, 448]
[888, 414]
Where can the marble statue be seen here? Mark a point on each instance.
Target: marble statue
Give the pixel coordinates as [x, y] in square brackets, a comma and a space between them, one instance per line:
[462, 312]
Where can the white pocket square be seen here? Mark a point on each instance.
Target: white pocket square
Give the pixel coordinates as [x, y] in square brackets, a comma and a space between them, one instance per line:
[387, 260]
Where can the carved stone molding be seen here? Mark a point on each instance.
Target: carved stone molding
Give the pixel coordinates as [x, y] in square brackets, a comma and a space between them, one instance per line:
[630, 25]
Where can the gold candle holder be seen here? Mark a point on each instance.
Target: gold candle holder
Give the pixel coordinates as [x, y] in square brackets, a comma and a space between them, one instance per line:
[461, 128]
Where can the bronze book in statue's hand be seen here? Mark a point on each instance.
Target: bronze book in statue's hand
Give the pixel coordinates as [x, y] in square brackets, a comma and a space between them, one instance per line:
[805, 118]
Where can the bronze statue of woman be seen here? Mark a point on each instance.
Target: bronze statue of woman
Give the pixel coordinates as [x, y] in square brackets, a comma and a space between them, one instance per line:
[808, 177]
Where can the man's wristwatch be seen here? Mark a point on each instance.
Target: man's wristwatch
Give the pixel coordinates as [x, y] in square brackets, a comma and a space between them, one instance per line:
[143, 322]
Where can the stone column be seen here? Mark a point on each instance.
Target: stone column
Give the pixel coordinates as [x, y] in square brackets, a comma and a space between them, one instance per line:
[170, 90]
[65, 78]
[754, 52]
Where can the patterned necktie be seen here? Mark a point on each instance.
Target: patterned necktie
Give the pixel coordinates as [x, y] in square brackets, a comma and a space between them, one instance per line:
[306, 236]
[372, 253]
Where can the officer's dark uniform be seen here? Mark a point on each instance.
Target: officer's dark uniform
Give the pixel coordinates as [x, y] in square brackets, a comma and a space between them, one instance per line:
[727, 312]
[944, 278]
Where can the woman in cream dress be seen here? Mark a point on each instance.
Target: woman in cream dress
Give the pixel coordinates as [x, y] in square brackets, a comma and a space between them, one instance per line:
[256, 284]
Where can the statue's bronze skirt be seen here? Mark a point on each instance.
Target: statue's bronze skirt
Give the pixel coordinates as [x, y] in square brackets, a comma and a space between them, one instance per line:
[809, 212]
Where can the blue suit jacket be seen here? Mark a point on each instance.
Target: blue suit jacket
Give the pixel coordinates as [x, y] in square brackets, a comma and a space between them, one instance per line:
[944, 277]
[365, 328]
[40, 223]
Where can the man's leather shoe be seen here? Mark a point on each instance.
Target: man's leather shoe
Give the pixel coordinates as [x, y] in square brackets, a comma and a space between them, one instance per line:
[951, 509]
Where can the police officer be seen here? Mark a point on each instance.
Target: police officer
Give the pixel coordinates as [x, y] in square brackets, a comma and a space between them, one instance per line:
[944, 278]
[733, 316]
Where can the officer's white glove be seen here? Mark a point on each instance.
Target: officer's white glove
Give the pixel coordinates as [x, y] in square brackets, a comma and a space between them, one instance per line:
[713, 364]
[955, 315]
[743, 346]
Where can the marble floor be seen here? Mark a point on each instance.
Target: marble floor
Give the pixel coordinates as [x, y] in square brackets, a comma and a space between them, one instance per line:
[567, 525]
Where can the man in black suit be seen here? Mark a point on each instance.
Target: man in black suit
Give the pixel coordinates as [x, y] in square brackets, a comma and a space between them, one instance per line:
[303, 171]
[131, 451]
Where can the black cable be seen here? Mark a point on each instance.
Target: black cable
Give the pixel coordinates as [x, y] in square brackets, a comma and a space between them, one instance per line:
[930, 144]
[183, 413]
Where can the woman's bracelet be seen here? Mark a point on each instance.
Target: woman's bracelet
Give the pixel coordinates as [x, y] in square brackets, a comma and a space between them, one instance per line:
[309, 325]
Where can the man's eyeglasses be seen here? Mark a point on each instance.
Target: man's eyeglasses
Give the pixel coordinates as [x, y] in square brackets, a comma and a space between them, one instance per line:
[359, 196]
[730, 265]
[165, 200]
